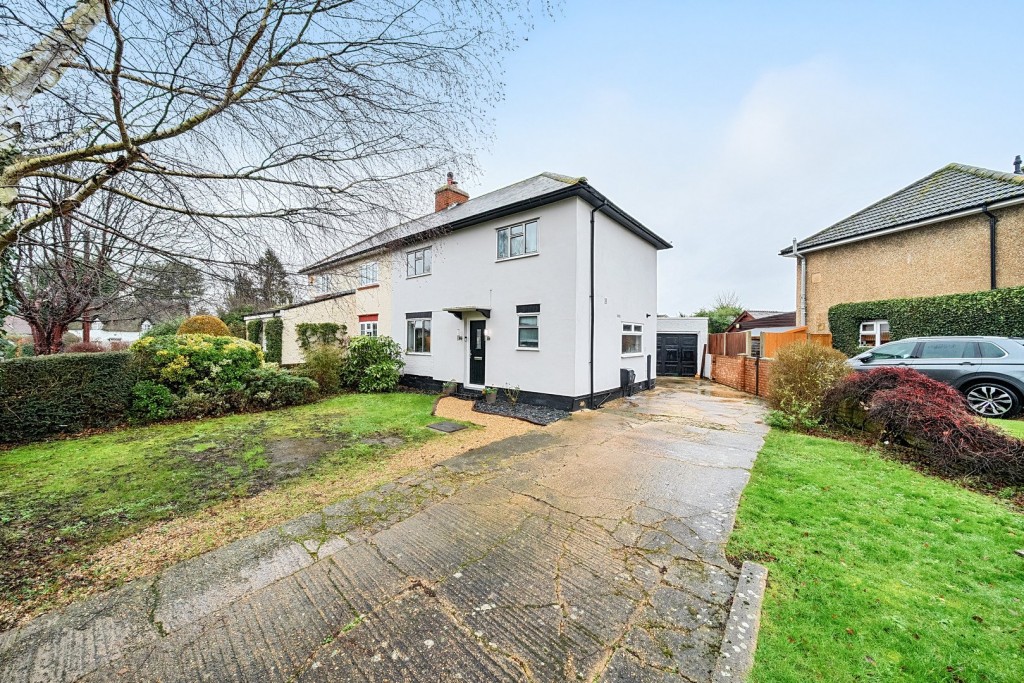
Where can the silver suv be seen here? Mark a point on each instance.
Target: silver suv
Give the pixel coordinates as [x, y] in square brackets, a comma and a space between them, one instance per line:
[989, 371]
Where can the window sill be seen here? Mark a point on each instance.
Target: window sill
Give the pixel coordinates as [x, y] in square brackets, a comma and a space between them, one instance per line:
[525, 348]
[516, 258]
[632, 355]
[369, 286]
[413, 277]
[417, 353]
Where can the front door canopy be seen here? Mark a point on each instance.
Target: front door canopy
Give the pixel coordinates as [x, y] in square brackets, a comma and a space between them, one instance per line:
[457, 311]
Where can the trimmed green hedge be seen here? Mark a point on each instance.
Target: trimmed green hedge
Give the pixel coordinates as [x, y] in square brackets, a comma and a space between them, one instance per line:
[64, 393]
[998, 312]
[274, 331]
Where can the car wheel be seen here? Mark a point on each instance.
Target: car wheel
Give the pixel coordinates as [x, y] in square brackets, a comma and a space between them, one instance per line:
[989, 399]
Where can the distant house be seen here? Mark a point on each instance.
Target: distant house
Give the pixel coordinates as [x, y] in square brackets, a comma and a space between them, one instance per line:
[545, 285]
[760, 320]
[959, 229]
[106, 329]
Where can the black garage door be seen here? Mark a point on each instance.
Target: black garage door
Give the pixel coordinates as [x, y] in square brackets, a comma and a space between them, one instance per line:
[677, 354]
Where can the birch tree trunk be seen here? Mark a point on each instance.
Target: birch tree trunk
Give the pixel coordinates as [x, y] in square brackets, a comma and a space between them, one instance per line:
[33, 72]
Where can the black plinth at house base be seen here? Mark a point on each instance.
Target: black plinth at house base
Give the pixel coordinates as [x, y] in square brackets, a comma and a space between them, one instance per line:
[446, 427]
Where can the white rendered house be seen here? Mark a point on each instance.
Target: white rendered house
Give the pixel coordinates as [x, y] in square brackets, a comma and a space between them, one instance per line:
[545, 286]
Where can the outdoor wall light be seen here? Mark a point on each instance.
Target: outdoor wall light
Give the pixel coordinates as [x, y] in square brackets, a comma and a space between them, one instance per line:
[458, 337]
[487, 334]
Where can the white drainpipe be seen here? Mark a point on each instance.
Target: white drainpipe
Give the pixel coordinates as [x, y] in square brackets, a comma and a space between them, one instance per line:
[803, 283]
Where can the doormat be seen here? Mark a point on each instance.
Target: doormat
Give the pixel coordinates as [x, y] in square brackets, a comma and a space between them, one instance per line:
[446, 427]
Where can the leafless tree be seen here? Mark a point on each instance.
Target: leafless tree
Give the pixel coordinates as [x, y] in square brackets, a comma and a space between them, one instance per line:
[249, 121]
[90, 260]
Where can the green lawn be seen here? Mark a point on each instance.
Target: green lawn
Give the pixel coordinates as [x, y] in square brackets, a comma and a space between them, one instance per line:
[1015, 427]
[878, 572]
[61, 500]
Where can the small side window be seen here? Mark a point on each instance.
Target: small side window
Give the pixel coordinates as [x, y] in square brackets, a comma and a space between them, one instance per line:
[990, 350]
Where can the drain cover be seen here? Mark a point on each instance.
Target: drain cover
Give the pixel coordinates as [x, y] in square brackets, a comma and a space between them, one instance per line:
[447, 427]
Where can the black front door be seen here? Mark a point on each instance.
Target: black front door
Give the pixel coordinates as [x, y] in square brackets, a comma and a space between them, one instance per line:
[677, 354]
[477, 352]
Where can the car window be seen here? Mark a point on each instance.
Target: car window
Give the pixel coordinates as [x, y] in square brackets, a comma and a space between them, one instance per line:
[990, 350]
[902, 349]
[947, 348]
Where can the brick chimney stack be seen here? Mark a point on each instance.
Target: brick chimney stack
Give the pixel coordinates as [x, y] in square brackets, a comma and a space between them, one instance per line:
[449, 194]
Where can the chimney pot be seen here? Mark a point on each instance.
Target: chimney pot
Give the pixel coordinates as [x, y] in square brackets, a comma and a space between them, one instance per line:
[1016, 166]
[449, 194]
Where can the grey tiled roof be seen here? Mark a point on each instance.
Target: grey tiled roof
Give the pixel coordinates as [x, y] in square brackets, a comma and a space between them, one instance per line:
[484, 207]
[949, 190]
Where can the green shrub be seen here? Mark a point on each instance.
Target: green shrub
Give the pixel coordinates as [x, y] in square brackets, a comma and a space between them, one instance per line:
[270, 388]
[802, 374]
[237, 329]
[205, 324]
[197, 362]
[64, 393]
[324, 365]
[165, 328]
[998, 312]
[152, 401]
[274, 331]
[310, 335]
[254, 330]
[373, 364]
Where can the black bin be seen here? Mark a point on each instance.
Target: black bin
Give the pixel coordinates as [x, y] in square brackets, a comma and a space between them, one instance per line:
[626, 379]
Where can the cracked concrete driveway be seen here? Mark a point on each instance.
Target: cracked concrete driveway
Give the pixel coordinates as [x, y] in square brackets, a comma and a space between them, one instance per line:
[589, 550]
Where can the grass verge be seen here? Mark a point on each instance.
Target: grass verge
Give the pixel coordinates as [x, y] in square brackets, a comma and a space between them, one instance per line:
[878, 572]
[63, 502]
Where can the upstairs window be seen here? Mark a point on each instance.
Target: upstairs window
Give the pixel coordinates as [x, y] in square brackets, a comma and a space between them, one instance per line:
[323, 283]
[418, 262]
[632, 339]
[874, 333]
[368, 274]
[517, 240]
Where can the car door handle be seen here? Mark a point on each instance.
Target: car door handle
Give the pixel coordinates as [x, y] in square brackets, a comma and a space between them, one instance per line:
[967, 362]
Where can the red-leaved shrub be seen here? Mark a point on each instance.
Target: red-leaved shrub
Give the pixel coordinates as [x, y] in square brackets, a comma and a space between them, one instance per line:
[906, 408]
[84, 347]
[117, 345]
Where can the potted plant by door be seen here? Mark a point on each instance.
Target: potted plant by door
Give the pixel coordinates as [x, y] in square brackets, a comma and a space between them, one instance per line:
[449, 387]
[490, 395]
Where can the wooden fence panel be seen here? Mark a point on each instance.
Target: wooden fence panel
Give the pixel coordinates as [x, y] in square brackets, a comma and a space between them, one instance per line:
[716, 344]
[737, 343]
[771, 342]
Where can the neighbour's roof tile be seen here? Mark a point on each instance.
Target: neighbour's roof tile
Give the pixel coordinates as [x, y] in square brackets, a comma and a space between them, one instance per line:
[951, 189]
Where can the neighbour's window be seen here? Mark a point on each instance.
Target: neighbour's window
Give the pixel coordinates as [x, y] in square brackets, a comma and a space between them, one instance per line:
[418, 262]
[990, 350]
[947, 348]
[368, 274]
[874, 333]
[517, 240]
[368, 329]
[323, 283]
[529, 330]
[418, 335]
[632, 338]
[896, 350]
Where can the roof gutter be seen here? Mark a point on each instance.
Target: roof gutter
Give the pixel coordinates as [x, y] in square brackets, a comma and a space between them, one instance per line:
[909, 226]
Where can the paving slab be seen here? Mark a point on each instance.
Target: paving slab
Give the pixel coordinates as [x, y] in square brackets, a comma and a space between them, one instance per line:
[590, 550]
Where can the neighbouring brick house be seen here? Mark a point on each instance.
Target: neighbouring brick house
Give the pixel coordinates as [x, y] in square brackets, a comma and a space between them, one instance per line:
[960, 229]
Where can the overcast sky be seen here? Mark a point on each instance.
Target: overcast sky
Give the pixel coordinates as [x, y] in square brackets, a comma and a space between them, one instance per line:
[731, 127]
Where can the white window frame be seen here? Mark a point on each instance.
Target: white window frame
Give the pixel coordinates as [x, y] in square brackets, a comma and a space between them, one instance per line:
[369, 274]
[633, 330]
[520, 327]
[874, 329]
[423, 256]
[323, 283]
[410, 326]
[368, 329]
[508, 230]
